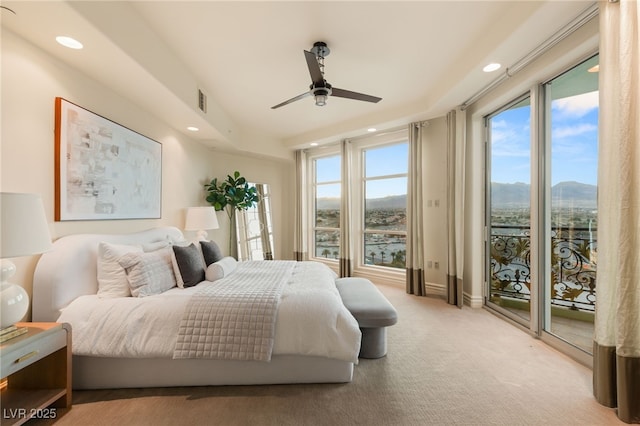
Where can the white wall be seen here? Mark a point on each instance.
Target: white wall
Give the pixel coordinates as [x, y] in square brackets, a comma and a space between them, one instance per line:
[30, 81]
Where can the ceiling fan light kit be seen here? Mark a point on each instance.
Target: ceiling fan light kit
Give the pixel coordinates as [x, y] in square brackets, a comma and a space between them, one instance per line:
[319, 87]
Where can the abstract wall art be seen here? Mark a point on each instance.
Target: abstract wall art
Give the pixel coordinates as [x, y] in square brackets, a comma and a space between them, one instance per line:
[103, 170]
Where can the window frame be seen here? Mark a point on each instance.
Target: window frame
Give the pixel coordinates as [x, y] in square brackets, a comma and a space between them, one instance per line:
[312, 157]
[358, 193]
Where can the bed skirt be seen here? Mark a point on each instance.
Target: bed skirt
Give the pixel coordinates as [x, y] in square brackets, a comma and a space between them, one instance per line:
[115, 373]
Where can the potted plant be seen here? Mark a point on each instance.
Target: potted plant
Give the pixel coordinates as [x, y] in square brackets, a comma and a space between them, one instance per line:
[231, 195]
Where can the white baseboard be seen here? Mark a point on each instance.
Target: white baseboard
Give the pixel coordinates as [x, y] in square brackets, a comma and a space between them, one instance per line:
[436, 289]
[473, 301]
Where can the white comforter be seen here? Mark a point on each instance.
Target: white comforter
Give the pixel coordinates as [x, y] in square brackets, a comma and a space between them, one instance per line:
[311, 320]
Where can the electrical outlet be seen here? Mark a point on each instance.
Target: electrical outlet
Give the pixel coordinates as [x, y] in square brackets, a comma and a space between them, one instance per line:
[436, 203]
[436, 265]
[429, 264]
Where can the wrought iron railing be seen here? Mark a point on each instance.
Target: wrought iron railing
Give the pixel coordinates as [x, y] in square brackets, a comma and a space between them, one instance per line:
[573, 266]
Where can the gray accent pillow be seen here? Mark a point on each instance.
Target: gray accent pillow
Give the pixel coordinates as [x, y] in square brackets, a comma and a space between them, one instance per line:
[211, 252]
[190, 267]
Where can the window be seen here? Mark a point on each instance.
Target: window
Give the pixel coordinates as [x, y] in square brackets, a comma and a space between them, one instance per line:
[326, 206]
[384, 177]
[378, 191]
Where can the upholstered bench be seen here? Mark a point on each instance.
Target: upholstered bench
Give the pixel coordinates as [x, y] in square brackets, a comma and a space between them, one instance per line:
[372, 311]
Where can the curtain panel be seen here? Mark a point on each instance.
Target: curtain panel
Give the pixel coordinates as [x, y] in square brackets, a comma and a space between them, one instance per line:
[616, 352]
[415, 253]
[346, 243]
[299, 229]
[456, 124]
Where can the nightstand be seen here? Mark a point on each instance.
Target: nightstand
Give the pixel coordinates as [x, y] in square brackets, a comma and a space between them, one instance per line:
[37, 368]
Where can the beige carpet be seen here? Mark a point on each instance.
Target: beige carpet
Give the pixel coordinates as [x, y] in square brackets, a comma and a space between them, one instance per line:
[445, 366]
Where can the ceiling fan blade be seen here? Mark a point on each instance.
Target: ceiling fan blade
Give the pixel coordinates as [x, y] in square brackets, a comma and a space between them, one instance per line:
[341, 93]
[297, 98]
[314, 68]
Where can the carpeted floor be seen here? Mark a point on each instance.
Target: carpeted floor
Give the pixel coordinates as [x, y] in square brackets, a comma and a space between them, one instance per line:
[445, 366]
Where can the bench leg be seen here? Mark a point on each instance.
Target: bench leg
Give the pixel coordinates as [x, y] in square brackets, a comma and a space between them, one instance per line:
[374, 342]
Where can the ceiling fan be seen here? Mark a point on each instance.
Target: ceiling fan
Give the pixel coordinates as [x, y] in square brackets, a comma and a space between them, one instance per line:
[319, 88]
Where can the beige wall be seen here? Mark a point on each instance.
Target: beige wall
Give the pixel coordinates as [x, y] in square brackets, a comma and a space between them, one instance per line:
[31, 79]
[435, 204]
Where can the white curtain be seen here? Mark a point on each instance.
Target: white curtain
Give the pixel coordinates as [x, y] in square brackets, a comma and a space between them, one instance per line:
[616, 369]
[415, 234]
[455, 205]
[299, 230]
[346, 244]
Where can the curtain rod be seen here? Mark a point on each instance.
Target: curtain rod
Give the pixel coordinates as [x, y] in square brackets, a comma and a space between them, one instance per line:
[381, 133]
[385, 132]
[556, 38]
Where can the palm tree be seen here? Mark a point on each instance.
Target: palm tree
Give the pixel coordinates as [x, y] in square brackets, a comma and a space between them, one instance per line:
[373, 257]
[335, 254]
[326, 252]
[382, 255]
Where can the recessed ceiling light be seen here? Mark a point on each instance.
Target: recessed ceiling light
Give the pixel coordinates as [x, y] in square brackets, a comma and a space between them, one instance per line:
[595, 68]
[314, 144]
[491, 67]
[192, 129]
[371, 129]
[69, 42]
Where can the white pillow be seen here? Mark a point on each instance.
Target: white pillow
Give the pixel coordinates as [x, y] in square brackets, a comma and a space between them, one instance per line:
[220, 269]
[156, 245]
[149, 273]
[112, 280]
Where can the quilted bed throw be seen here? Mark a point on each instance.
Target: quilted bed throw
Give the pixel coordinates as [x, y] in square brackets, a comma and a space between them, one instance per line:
[234, 318]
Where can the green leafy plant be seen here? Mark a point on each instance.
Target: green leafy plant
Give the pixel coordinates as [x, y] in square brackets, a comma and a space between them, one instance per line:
[231, 194]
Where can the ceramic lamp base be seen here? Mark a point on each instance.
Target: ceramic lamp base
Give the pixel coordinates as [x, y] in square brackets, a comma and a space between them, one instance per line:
[14, 300]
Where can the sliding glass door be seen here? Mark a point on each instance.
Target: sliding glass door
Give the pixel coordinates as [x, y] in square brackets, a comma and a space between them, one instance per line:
[541, 221]
[509, 210]
[571, 231]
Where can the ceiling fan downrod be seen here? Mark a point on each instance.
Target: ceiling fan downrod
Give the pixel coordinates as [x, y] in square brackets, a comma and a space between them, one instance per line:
[321, 50]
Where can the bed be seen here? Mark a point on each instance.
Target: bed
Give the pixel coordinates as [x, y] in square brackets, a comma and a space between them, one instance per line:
[314, 338]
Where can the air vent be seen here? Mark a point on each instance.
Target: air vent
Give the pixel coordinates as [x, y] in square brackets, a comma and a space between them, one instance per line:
[202, 101]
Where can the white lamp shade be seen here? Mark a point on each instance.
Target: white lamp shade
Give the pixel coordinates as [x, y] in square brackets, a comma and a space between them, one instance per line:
[201, 218]
[24, 230]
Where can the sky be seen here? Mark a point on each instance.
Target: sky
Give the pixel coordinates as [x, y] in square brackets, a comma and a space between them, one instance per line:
[574, 150]
[382, 161]
[574, 142]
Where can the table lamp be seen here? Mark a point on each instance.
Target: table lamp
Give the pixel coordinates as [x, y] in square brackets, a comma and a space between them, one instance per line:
[199, 219]
[24, 231]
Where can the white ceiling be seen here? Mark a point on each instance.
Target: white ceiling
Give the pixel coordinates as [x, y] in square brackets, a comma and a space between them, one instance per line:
[422, 57]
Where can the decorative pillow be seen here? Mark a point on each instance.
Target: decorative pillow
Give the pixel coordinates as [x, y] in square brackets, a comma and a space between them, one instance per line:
[211, 252]
[220, 269]
[156, 245]
[149, 273]
[112, 279]
[188, 265]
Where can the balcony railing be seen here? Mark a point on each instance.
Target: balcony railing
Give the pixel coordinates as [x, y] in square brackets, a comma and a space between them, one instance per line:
[573, 266]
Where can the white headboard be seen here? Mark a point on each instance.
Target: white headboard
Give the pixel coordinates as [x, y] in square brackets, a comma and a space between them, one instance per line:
[70, 270]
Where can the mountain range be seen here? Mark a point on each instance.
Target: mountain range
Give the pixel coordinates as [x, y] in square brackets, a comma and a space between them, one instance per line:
[563, 195]
[504, 195]
[389, 202]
